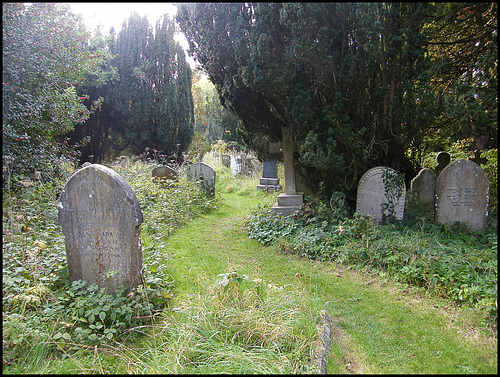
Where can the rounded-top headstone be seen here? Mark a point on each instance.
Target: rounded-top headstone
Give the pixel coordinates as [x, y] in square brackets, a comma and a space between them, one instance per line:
[100, 218]
[202, 171]
[424, 185]
[379, 194]
[462, 195]
[164, 172]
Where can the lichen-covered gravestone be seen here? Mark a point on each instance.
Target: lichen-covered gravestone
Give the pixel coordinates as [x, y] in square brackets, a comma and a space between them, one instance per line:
[424, 186]
[100, 218]
[462, 191]
[381, 193]
[203, 174]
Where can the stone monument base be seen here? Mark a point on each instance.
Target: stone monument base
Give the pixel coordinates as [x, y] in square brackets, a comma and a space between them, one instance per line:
[288, 204]
[269, 184]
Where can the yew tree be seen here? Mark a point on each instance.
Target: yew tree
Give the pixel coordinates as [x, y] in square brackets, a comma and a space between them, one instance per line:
[350, 80]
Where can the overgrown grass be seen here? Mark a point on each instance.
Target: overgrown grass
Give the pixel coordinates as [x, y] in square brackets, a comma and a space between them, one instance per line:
[450, 262]
[221, 303]
[40, 305]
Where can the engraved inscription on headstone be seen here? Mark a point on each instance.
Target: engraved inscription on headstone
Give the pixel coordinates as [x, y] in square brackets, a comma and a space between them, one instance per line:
[424, 185]
[100, 218]
[380, 194]
[462, 195]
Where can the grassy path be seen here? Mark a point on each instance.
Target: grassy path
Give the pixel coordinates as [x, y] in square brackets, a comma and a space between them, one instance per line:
[378, 327]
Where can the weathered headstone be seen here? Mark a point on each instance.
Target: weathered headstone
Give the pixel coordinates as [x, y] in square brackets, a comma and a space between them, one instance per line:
[226, 160]
[204, 174]
[424, 185]
[443, 159]
[164, 173]
[462, 195]
[291, 201]
[100, 218]
[380, 193]
[269, 180]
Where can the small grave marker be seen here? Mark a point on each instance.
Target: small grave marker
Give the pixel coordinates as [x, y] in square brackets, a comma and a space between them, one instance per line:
[164, 173]
[380, 193]
[462, 195]
[100, 218]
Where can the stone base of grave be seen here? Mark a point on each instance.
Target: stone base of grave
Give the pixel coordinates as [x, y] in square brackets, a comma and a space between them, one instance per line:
[288, 204]
[269, 184]
[269, 187]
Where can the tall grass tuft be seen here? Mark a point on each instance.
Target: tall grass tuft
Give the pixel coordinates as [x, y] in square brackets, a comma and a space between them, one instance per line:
[239, 325]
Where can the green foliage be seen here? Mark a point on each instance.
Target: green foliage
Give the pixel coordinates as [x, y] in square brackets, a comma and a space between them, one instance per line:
[45, 58]
[452, 262]
[40, 304]
[151, 104]
[359, 84]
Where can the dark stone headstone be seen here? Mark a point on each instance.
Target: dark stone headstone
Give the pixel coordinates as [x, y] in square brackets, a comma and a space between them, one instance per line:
[100, 218]
[443, 159]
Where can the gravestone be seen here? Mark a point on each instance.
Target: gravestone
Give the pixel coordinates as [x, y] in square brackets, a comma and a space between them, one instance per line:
[462, 195]
[291, 201]
[203, 174]
[236, 164]
[269, 180]
[100, 218]
[226, 160]
[424, 185]
[381, 193]
[443, 159]
[164, 173]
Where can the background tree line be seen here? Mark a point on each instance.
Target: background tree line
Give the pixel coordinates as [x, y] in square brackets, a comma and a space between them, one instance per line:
[68, 94]
[360, 84]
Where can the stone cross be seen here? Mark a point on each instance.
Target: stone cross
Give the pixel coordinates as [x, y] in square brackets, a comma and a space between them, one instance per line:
[287, 146]
[291, 201]
[477, 159]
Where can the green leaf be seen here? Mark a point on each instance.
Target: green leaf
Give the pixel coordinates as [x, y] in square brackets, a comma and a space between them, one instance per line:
[102, 316]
